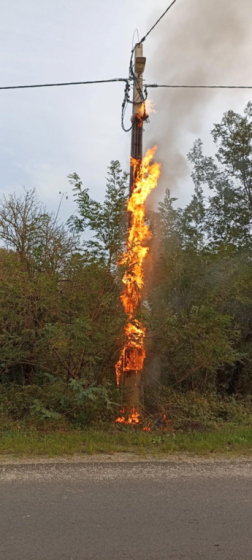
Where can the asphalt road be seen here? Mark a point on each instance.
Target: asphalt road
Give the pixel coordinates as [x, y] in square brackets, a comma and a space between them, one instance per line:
[195, 510]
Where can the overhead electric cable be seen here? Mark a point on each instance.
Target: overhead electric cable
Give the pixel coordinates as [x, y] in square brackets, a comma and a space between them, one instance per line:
[159, 19]
[132, 75]
[65, 84]
[195, 87]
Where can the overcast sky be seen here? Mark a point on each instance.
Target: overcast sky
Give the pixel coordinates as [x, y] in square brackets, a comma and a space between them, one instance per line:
[48, 133]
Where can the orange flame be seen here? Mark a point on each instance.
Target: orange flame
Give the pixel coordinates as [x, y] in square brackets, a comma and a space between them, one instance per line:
[146, 177]
[146, 109]
[133, 418]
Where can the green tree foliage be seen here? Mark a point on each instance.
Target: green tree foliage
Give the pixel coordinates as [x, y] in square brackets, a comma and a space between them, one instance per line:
[202, 303]
[59, 318]
[106, 221]
[61, 321]
[234, 137]
[66, 325]
[28, 229]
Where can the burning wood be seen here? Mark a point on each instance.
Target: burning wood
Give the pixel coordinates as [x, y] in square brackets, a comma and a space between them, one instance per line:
[145, 110]
[132, 355]
[133, 418]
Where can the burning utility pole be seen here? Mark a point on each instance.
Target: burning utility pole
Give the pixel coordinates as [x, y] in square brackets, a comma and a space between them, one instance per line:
[143, 179]
[144, 175]
[132, 379]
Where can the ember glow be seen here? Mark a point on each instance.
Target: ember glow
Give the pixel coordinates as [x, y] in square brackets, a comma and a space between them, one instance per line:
[132, 354]
[133, 418]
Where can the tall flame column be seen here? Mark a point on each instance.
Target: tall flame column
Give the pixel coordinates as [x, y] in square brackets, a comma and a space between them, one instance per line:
[133, 378]
[130, 364]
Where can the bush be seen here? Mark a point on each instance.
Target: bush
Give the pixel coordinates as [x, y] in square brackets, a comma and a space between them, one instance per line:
[78, 402]
[193, 411]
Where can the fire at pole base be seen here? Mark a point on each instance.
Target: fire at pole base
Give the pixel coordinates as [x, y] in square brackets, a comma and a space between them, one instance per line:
[130, 364]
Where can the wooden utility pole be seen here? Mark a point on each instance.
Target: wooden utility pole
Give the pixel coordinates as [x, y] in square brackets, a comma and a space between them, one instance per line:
[132, 378]
[137, 123]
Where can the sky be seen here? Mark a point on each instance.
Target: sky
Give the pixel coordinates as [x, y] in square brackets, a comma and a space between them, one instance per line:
[46, 134]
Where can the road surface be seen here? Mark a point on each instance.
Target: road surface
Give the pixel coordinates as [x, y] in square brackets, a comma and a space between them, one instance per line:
[189, 509]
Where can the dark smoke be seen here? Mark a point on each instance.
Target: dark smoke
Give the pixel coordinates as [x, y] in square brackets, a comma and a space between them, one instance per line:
[199, 42]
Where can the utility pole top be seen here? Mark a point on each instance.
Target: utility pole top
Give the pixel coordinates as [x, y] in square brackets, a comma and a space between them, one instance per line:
[140, 62]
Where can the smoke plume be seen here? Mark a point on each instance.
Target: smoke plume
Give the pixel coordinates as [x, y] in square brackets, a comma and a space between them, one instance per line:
[199, 42]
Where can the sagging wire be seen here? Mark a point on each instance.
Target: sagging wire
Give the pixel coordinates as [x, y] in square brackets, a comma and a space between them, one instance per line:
[135, 80]
[125, 102]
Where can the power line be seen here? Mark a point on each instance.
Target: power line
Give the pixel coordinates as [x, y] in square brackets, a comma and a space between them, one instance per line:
[195, 87]
[125, 102]
[65, 84]
[133, 77]
[126, 81]
[159, 19]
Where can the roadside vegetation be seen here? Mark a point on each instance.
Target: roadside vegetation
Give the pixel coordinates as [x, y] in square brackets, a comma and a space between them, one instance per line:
[228, 441]
[61, 321]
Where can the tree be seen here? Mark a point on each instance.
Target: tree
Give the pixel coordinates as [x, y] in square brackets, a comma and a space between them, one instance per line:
[226, 219]
[33, 233]
[201, 308]
[107, 221]
[234, 137]
[59, 310]
[169, 221]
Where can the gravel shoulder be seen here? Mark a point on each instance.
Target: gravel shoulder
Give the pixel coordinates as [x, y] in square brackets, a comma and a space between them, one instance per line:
[112, 468]
[123, 458]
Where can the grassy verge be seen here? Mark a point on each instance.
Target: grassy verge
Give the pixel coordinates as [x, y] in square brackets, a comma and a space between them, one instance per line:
[226, 440]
